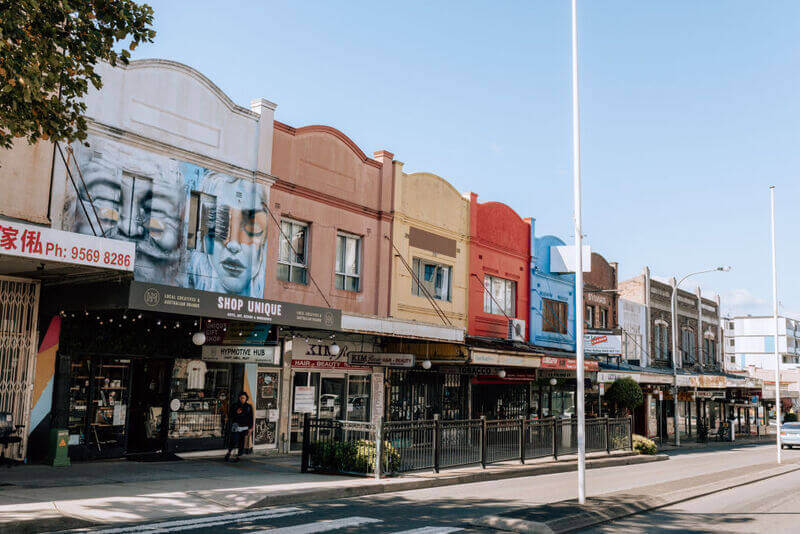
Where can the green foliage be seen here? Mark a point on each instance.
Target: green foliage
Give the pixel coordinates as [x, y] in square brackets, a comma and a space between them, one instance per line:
[352, 456]
[790, 417]
[48, 53]
[625, 392]
[643, 445]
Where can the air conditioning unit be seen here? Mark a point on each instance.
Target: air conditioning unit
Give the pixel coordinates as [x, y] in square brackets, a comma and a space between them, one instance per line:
[516, 329]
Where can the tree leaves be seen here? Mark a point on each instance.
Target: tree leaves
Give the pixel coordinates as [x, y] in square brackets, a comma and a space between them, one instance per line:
[48, 53]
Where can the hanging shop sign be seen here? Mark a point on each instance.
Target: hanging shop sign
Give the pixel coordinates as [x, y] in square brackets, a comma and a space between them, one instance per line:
[492, 358]
[220, 332]
[552, 362]
[240, 354]
[381, 359]
[170, 299]
[602, 343]
[304, 399]
[40, 243]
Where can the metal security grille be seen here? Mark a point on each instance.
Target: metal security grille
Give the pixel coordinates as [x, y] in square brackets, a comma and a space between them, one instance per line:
[19, 301]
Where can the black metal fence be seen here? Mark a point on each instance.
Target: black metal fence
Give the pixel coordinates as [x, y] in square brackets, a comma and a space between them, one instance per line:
[352, 447]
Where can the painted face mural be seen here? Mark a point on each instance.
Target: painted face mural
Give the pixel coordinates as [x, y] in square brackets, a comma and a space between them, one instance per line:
[193, 227]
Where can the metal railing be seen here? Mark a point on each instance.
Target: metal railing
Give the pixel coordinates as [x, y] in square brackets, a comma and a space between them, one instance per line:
[354, 447]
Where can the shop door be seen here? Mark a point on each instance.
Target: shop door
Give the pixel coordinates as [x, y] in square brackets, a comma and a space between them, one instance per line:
[149, 386]
[331, 393]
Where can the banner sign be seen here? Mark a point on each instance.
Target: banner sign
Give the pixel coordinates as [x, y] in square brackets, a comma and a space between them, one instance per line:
[40, 243]
[240, 354]
[171, 299]
[491, 358]
[602, 343]
[552, 362]
[326, 364]
[380, 359]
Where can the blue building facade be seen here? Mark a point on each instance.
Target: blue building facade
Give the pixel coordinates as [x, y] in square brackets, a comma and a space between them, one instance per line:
[552, 297]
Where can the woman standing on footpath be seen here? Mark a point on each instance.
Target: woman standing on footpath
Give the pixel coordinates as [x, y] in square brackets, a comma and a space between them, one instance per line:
[241, 421]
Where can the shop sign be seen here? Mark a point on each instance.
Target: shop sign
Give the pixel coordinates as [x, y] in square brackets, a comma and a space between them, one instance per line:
[219, 332]
[555, 373]
[326, 364]
[491, 358]
[380, 359]
[552, 362]
[474, 370]
[41, 243]
[171, 299]
[710, 394]
[611, 377]
[711, 381]
[304, 399]
[596, 343]
[686, 381]
[656, 379]
[240, 354]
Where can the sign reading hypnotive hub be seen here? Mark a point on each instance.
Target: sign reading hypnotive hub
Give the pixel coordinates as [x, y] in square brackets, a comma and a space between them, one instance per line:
[240, 354]
[36, 242]
[168, 299]
[193, 227]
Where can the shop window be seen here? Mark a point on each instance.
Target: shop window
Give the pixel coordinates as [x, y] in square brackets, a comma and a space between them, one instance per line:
[603, 318]
[588, 317]
[293, 252]
[500, 296]
[348, 262]
[199, 399]
[554, 316]
[202, 222]
[434, 278]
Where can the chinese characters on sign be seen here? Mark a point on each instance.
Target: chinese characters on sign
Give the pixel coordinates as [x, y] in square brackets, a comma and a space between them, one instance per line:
[36, 242]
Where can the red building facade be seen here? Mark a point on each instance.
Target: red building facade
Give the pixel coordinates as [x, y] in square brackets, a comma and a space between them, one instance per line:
[500, 256]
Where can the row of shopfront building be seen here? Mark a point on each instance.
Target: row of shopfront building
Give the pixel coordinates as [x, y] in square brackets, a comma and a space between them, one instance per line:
[195, 249]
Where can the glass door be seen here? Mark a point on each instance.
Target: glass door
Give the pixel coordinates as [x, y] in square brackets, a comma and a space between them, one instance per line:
[331, 393]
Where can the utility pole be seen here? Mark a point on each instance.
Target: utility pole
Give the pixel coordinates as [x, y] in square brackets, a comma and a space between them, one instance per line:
[775, 317]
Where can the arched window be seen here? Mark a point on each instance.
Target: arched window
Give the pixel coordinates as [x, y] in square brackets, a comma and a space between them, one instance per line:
[709, 348]
[661, 340]
[688, 345]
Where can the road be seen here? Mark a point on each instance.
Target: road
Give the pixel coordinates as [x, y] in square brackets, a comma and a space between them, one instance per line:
[451, 509]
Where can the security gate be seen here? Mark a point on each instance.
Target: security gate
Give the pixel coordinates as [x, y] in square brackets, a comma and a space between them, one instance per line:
[19, 303]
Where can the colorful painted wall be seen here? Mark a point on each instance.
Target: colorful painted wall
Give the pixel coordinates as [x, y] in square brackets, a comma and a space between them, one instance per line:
[549, 286]
[499, 246]
[431, 225]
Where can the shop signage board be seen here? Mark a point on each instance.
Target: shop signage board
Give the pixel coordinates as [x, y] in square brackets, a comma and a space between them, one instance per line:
[687, 381]
[602, 343]
[381, 359]
[710, 394]
[326, 364]
[304, 399]
[611, 377]
[491, 358]
[171, 299]
[711, 381]
[552, 362]
[220, 332]
[41, 243]
[240, 354]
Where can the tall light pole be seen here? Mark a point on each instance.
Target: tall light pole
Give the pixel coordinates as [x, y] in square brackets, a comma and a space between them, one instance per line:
[675, 344]
[576, 175]
[775, 316]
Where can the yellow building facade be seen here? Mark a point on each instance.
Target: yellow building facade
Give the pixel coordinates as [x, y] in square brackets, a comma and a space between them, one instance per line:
[430, 264]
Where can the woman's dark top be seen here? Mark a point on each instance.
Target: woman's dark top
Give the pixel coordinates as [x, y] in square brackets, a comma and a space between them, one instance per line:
[242, 414]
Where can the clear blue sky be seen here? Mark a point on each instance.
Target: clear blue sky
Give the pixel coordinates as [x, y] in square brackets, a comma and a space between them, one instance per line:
[689, 111]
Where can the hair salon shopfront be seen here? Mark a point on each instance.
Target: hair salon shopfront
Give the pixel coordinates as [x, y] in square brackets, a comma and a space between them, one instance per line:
[146, 368]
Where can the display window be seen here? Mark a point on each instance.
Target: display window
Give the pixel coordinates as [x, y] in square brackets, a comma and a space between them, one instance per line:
[199, 399]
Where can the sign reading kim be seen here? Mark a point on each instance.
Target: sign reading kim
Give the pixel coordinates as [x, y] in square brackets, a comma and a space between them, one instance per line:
[170, 299]
[380, 359]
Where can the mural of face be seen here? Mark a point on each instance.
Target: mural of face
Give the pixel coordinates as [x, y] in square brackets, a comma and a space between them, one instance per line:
[240, 235]
[137, 198]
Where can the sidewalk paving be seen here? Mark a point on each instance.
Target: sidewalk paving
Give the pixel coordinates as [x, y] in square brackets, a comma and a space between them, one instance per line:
[36, 498]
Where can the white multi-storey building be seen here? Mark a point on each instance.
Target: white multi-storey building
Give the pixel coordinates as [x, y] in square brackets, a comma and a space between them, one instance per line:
[749, 342]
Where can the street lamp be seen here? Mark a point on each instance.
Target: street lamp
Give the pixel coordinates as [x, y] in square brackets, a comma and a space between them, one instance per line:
[674, 309]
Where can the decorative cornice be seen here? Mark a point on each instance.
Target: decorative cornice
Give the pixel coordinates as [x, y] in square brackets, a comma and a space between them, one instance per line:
[312, 194]
[319, 128]
[186, 69]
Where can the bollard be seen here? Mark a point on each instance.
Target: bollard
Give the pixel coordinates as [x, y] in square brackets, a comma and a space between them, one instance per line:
[379, 448]
[437, 438]
[555, 440]
[483, 441]
[306, 443]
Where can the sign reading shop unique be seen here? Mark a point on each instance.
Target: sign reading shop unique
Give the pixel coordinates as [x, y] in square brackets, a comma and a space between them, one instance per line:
[380, 359]
[240, 354]
[36, 242]
[170, 299]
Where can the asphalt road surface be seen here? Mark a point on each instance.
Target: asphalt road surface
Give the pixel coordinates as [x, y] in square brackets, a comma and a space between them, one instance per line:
[760, 507]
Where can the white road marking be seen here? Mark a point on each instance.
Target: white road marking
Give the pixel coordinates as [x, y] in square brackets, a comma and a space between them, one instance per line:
[204, 522]
[321, 526]
[430, 530]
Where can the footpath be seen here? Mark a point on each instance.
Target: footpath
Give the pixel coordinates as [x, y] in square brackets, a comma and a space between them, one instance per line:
[37, 498]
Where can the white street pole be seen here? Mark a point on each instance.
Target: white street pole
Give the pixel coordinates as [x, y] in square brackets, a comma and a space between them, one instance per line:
[775, 315]
[576, 173]
[674, 307]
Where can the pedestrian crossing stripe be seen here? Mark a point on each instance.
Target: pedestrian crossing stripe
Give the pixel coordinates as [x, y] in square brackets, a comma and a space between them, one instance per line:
[321, 526]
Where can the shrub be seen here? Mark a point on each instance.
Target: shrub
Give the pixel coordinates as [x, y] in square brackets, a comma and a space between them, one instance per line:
[643, 445]
[626, 392]
[352, 456]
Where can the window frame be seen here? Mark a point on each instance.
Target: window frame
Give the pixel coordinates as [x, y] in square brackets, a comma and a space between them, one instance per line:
[359, 260]
[416, 289]
[489, 296]
[588, 321]
[561, 327]
[603, 318]
[292, 265]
